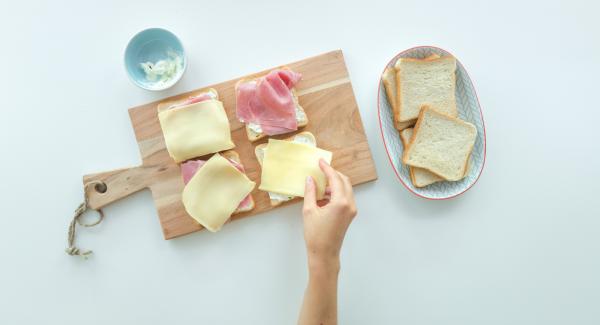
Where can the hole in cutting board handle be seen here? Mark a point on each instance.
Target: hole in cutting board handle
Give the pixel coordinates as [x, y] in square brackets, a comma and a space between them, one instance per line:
[100, 188]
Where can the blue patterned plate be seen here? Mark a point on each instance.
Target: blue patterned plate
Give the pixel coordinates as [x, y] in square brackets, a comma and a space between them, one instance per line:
[468, 110]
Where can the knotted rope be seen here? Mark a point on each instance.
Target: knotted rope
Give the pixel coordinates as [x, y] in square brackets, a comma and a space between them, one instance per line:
[81, 209]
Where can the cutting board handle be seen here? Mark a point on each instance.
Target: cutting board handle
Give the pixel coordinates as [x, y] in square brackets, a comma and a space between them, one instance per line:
[117, 184]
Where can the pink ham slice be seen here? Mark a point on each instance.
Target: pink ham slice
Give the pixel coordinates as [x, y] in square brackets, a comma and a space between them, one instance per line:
[247, 104]
[190, 167]
[193, 100]
[269, 102]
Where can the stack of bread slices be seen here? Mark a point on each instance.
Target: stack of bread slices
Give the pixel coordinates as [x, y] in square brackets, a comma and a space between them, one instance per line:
[437, 144]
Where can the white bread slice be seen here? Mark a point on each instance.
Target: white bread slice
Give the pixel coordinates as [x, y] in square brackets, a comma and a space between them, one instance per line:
[425, 83]
[301, 117]
[441, 144]
[303, 137]
[420, 177]
[389, 83]
[233, 155]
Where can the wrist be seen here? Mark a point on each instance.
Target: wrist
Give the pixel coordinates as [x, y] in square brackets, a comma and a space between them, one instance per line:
[320, 265]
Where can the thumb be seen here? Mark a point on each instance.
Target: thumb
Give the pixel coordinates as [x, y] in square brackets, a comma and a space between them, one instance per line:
[310, 194]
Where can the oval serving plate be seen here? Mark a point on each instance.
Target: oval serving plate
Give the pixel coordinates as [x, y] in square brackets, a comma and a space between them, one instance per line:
[468, 110]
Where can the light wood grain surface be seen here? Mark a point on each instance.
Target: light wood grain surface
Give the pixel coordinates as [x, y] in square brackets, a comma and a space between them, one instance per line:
[326, 94]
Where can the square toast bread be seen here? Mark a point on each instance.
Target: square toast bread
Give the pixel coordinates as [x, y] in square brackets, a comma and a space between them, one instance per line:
[440, 144]
[430, 83]
[389, 83]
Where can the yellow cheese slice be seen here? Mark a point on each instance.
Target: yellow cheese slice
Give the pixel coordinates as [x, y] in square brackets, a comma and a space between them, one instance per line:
[195, 130]
[287, 164]
[215, 192]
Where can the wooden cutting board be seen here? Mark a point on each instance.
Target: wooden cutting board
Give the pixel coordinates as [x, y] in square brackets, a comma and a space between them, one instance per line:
[326, 94]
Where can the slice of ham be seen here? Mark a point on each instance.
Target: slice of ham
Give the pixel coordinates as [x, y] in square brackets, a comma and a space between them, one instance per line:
[247, 104]
[268, 102]
[190, 167]
[193, 100]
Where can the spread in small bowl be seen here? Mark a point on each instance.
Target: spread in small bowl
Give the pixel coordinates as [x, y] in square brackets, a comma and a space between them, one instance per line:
[155, 59]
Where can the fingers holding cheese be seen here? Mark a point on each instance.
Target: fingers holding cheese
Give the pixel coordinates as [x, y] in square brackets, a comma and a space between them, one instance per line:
[287, 164]
[333, 178]
[338, 184]
[310, 194]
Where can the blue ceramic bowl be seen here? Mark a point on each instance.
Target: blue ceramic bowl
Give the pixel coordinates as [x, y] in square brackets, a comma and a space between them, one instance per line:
[152, 45]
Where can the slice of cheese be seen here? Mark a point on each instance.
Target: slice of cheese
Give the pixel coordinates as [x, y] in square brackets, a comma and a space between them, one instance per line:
[214, 192]
[195, 130]
[287, 164]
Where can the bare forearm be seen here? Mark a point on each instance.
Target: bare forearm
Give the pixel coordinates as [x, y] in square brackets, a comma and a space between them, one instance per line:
[325, 226]
[320, 299]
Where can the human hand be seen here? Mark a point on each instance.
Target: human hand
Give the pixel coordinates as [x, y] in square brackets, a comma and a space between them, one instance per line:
[326, 221]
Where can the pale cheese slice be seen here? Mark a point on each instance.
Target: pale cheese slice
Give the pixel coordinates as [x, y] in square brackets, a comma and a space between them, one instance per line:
[215, 192]
[195, 130]
[287, 164]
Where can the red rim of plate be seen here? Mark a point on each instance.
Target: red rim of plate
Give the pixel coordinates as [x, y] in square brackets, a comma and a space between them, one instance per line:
[383, 138]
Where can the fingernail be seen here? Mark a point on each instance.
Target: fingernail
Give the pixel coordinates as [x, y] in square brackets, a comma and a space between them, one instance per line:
[309, 180]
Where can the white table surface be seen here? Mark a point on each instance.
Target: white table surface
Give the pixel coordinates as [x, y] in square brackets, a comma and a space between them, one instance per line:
[521, 247]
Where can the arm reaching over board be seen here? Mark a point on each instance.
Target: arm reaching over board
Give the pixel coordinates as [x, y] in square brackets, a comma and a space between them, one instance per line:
[325, 225]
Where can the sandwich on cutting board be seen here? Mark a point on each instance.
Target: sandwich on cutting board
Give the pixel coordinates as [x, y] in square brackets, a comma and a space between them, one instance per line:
[195, 126]
[268, 105]
[306, 138]
[215, 189]
[422, 91]
[287, 163]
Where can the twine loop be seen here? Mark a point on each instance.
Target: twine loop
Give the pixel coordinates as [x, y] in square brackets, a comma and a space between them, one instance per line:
[81, 209]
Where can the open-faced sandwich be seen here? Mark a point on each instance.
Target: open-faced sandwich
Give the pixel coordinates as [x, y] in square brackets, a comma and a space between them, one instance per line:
[195, 126]
[215, 189]
[286, 164]
[268, 105]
